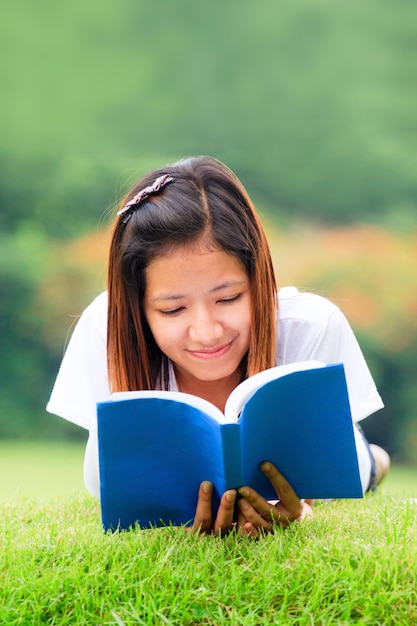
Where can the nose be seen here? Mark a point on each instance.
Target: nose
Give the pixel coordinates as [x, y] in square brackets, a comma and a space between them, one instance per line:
[204, 327]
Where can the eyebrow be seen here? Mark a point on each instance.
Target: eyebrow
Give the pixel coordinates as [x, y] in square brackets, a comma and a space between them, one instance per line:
[225, 285]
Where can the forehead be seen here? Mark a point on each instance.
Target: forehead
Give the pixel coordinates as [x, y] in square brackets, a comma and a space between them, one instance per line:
[185, 269]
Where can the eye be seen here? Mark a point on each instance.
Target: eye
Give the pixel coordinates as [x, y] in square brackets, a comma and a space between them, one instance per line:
[231, 299]
[172, 312]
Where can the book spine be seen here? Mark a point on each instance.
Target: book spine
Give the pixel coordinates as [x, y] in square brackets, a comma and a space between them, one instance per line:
[232, 456]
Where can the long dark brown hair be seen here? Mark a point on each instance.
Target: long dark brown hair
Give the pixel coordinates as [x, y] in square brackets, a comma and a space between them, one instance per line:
[205, 200]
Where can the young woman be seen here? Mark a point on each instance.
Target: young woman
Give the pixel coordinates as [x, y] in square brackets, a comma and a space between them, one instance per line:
[192, 305]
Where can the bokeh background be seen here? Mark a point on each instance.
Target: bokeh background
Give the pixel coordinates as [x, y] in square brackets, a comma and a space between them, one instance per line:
[313, 103]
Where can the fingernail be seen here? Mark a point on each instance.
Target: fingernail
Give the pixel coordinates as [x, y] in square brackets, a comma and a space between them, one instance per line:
[243, 504]
[230, 496]
[266, 467]
[244, 491]
[206, 486]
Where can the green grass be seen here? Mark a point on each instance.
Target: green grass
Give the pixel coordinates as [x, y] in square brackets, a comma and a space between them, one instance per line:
[354, 563]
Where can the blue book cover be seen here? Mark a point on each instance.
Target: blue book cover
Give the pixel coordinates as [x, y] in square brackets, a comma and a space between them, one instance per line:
[156, 447]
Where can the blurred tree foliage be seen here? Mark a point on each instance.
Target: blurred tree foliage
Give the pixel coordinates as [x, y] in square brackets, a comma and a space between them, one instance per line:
[311, 102]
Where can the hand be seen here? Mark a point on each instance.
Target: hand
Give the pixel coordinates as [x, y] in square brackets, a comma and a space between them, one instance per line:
[203, 519]
[257, 515]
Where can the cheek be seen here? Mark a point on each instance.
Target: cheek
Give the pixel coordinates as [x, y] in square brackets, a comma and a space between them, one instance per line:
[246, 320]
[165, 333]
[247, 332]
[154, 327]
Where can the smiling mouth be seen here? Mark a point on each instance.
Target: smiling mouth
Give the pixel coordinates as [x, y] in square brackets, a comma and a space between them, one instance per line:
[208, 355]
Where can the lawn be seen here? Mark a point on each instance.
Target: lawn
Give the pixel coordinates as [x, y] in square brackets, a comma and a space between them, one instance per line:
[56, 469]
[354, 563]
[40, 469]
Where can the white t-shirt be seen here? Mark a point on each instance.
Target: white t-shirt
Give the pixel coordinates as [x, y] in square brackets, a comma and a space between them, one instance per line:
[309, 327]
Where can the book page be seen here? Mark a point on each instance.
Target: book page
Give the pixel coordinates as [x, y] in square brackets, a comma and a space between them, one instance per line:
[247, 388]
[199, 403]
[237, 398]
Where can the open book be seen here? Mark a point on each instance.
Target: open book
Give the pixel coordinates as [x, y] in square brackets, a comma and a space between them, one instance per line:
[156, 447]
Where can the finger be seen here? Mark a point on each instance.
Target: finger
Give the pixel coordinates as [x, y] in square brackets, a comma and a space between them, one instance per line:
[224, 519]
[289, 501]
[249, 530]
[259, 506]
[244, 527]
[307, 512]
[269, 512]
[203, 513]
[252, 510]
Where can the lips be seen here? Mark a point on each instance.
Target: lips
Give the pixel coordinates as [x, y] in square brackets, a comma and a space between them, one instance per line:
[211, 354]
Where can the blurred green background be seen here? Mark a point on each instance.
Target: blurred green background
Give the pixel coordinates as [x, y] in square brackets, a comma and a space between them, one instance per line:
[312, 103]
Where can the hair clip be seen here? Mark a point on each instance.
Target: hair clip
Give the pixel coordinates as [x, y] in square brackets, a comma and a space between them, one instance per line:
[159, 182]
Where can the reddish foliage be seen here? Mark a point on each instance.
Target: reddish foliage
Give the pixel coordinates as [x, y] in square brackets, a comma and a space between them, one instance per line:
[369, 272]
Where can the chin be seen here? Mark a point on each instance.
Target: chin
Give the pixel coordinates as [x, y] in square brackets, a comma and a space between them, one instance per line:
[216, 375]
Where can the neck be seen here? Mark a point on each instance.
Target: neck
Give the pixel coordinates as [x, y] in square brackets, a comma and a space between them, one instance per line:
[216, 391]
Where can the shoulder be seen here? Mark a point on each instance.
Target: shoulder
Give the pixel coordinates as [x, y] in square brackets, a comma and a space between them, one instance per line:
[96, 311]
[309, 327]
[304, 306]
[92, 322]
[97, 307]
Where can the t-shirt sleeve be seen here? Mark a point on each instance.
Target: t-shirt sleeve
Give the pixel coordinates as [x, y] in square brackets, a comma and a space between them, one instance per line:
[338, 344]
[82, 378]
[311, 327]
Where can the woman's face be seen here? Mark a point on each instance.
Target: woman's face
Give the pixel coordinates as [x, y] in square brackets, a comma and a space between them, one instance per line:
[198, 307]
